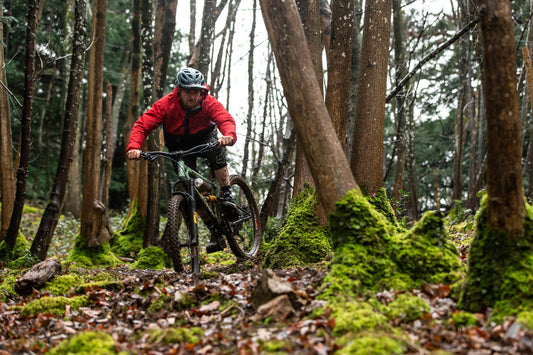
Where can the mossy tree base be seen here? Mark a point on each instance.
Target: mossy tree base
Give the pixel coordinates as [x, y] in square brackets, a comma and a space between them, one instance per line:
[302, 239]
[372, 254]
[500, 269]
[128, 242]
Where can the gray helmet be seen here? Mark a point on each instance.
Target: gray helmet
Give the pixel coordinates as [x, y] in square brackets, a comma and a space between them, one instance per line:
[190, 78]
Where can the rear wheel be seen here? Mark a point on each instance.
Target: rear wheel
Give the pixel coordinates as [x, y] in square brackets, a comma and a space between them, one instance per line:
[246, 239]
[179, 232]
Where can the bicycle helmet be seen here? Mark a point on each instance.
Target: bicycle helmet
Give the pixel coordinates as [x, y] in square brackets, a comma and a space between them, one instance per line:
[189, 78]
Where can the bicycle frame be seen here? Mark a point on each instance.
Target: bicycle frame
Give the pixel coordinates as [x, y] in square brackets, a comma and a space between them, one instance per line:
[185, 179]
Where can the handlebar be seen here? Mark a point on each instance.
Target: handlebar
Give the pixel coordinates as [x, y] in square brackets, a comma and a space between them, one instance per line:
[177, 155]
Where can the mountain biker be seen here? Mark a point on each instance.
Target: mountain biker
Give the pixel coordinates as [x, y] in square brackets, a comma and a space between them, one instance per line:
[190, 117]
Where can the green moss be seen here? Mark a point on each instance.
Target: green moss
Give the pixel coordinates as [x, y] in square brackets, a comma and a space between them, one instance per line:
[87, 343]
[152, 258]
[273, 346]
[353, 317]
[427, 254]
[20, 256]
[54, 305]
[369, 345]
[371, 255]
[463, 319]
[86, 256]
[7, 287]
[175, 335]
[382, 204]
[129, 240]
[62, 284]
[162, 302]
[525, 318]
[407, 308]
[500, 269]
[302, 240]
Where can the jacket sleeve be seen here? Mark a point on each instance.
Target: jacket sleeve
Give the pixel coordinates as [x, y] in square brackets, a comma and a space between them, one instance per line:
[224, 120]
[149, 120]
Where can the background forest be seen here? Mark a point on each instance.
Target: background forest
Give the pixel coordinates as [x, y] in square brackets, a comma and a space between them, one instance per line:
[434, 144]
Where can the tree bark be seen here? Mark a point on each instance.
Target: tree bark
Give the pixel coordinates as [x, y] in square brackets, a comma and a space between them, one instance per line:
[310, 14]
[249, 121]
[506, 209]
[367, 154]
[339, 65]
[94, 221]
[52, 212]
[7, 170]
[29, 87]
[322, 149]
[132, 166]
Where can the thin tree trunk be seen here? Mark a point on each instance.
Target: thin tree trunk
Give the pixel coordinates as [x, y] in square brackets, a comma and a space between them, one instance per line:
[7, 170]
[52, 211]
[109, 144]
[399, 64]
[412, 201]
[322, 149]
[132, 166]
[22, 171]
[249, 121]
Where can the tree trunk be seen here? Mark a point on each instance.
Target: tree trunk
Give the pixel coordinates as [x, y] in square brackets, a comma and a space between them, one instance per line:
[367, 155]
[22, 171]
[151, 231]
[506, 209]
[7, 170]
[339, 65]
[94, 219]
[309, 11]
[322, 149]
[163, 37]
[209, 18]
[354, 79]
[249, 121]
[109, 144]
[133, 99]
[412, 201]
[52, 212]
[400, 69]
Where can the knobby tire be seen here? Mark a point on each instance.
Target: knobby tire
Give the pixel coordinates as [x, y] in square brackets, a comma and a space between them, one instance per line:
[246, 242]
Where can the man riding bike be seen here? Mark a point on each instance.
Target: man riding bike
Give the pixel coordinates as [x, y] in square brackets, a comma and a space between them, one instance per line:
[190, 116]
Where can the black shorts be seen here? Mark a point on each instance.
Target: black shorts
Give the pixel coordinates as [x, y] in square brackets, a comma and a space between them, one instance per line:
[216, 157]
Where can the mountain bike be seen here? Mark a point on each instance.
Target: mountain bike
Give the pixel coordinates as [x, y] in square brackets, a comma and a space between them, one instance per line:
[194, 195]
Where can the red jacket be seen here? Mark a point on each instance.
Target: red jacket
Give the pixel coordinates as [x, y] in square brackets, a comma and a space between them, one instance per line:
[169, 112]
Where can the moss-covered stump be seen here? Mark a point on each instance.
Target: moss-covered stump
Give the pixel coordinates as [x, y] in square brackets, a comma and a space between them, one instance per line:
[85, 256]
[129, 240]
[500, 270]
[302, 240]
[370, 254]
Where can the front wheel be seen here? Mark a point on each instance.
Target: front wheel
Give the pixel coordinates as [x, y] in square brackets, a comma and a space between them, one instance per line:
[180, 231]
[246, 238]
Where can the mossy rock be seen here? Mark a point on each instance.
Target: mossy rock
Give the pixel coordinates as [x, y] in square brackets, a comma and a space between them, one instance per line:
[500, 269]
[87, 343]
[85, 256]
[302, 240]
[128, 242]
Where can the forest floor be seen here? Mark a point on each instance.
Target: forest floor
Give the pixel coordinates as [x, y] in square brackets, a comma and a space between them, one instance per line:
[145, 312]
